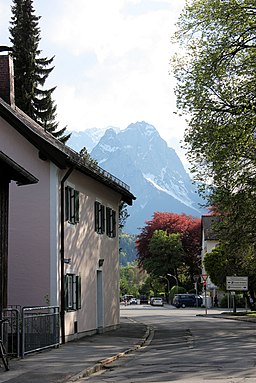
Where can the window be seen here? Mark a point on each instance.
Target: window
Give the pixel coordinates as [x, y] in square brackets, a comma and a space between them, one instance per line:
[110, 222]
[72, 292]
[99, 217]
[72, 205]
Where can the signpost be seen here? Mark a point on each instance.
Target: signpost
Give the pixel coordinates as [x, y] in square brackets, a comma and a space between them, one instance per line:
[204, 278]
[236, 284]
[196, 279]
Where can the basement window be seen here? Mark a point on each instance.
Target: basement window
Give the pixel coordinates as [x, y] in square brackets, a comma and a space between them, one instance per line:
[72, 205]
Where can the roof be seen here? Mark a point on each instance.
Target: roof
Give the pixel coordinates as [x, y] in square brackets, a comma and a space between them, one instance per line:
[61, 155]
[11, 171]
[208, 222]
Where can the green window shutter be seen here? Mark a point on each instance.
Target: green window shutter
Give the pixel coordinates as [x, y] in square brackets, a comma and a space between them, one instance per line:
[102, 219]
[113, 223]
[96, 215]
[78, 292]
[67, 203]
[66, 291]
[108, 211]
[76, 206]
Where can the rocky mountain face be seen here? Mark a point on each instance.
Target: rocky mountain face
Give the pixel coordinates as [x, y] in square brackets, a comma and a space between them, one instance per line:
[87, 138]
[142, 159]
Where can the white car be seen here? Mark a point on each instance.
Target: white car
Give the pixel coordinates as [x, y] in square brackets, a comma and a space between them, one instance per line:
[133, 301]
[156, 301]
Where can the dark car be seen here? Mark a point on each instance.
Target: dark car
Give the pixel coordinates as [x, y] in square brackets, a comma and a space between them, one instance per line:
[143, 299]
[187, 300]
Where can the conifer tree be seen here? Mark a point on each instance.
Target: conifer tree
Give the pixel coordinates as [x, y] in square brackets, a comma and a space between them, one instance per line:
[31, 70]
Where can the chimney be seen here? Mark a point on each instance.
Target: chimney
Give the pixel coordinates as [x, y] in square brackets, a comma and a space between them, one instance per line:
[7, 79]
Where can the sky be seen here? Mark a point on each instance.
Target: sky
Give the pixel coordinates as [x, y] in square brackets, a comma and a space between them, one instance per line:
[112, 62]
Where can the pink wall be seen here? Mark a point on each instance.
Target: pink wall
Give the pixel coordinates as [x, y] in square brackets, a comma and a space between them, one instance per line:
[85, 247]
[29, 223]
[34, 266]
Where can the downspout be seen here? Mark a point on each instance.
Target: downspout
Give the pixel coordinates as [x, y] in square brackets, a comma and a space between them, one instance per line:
[62, 255]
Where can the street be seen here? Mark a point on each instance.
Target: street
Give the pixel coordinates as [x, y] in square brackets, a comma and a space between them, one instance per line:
[185, 348]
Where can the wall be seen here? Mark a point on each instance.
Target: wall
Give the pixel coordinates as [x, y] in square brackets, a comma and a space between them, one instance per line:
[29, 224]
[34, 257]
[85, 247]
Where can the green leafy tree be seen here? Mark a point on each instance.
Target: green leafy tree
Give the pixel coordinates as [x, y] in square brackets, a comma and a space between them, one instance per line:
[31, 70]
[128, 252]
[216, 80]
[88, 159]
[217, 267]
[166, 253]
[219, 264]
[123, 215]
[189, 231]
[131, 280]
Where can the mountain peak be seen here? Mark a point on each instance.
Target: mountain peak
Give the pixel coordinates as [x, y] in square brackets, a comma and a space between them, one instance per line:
[141, 158]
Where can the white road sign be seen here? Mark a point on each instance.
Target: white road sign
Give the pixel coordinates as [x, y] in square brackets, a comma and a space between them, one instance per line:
[237, 283]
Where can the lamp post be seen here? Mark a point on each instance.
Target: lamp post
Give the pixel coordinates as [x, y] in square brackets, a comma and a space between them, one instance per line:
[168, 287]
[177, 285]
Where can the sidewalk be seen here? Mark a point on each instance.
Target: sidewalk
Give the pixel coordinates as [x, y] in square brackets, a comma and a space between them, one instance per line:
[79, 358]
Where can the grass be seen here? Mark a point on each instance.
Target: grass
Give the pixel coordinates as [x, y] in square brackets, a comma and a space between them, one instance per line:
[251, 314]
[243, 313]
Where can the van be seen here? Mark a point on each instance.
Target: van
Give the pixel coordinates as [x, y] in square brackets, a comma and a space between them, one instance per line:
[187, 300]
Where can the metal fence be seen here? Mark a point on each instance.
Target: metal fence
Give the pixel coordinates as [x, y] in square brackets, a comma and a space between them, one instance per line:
[40, 328]
[11, 331]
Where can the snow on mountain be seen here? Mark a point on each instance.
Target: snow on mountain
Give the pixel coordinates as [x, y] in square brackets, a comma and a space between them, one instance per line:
[142, 159]
[87, 138]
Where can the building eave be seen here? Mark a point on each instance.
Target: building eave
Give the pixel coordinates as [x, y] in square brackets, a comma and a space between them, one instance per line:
[50, 148]
[11, 171]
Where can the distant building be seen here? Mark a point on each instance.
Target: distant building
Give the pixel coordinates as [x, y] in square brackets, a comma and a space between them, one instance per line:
[209, 242]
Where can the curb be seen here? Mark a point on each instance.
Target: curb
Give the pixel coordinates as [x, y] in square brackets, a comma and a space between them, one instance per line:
[232, 317]
[101, 365]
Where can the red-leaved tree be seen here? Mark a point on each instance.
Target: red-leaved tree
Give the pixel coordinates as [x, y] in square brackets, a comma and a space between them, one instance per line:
[189, 229]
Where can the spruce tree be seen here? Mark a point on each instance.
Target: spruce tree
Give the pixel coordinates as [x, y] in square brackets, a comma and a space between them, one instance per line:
[31, 70]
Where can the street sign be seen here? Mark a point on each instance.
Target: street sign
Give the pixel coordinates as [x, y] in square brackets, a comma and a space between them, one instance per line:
[204, 277]
[237, 283]
[196, 278]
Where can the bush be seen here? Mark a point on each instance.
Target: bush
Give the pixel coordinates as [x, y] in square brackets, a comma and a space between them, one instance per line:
[240, 301]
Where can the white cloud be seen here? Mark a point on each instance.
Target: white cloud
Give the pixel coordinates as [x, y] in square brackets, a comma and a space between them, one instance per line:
[111, 61]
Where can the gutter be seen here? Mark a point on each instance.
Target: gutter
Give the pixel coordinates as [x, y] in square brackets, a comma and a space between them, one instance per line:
[62, 254]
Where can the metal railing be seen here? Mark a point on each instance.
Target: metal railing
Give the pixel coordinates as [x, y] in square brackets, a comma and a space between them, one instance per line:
[40, 328]
[95, 168]
[11, 335]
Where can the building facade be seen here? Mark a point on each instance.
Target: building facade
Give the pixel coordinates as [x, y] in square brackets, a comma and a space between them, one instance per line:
[63, 231]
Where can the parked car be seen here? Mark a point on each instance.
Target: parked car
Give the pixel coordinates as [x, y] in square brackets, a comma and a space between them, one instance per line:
[133, 301]
[143, 299]
[187, 300]
[156, 301]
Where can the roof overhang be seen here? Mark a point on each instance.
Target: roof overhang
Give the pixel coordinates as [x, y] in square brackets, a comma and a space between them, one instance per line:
[49, 148]
[11, 171]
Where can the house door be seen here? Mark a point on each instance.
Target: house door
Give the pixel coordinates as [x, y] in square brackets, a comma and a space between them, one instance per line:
[99, 301]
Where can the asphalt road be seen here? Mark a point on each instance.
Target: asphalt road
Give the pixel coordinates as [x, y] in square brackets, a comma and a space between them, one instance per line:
[186, 348]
